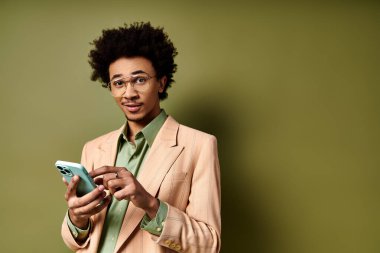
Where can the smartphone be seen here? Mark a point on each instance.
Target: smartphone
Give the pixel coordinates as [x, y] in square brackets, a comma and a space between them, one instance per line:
[68, 170]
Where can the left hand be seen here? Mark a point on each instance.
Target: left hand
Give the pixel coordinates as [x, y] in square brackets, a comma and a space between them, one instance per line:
[123, 185]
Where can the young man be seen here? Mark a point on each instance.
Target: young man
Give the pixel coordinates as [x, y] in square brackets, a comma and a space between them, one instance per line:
[158, 181]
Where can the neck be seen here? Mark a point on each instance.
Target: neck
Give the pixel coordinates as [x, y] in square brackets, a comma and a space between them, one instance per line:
[133, 129]
[135, 126]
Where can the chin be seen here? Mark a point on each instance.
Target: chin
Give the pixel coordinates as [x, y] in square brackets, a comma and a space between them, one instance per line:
[134, 117]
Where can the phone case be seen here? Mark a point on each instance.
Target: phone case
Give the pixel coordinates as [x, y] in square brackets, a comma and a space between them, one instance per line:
[69, 169]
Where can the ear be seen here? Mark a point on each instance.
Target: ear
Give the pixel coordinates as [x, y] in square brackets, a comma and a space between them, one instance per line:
[162, 82]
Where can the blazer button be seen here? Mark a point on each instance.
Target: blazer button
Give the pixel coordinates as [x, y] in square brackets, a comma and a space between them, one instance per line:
[172, 246]
[177, 247]
[168, 242]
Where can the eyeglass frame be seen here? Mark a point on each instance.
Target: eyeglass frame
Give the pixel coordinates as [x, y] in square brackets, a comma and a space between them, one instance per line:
[128, 81]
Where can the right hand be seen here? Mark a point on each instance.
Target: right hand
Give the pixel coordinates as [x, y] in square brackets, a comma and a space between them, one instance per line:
[82, 208]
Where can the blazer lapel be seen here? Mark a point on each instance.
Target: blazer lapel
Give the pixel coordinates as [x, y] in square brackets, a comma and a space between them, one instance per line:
[107, 156]
[159, 160]
[108, 150]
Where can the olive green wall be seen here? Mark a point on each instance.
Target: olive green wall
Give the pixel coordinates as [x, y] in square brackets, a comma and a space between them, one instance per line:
[291, 90]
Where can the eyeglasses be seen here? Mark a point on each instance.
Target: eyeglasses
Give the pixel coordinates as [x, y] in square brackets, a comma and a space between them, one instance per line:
[138, 82]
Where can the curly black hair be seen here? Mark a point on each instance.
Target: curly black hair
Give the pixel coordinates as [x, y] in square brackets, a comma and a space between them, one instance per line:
[137, 39]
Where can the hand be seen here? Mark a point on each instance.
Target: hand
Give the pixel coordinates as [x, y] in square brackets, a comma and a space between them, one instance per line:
[123, 185]
[82, 208]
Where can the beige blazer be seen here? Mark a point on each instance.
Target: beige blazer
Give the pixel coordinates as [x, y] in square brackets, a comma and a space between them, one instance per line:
[181, 169]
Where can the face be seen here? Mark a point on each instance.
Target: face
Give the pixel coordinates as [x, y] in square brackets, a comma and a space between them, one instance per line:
[138, 107]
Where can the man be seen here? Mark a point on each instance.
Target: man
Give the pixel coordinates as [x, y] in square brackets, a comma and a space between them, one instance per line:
[158, 181]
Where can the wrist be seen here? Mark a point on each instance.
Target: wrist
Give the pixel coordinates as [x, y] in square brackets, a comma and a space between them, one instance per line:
[152, 209]
[79, 223]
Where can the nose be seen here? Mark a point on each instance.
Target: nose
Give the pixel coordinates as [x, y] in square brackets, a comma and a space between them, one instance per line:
[130, 92]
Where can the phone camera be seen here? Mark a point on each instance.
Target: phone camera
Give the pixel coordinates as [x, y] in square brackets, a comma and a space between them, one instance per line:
[62, 170]
[68, 172]
[65, 171]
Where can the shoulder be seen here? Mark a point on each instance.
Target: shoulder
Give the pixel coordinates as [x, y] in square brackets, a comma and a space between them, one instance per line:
[188, 135]
[197, 144]
[189, 131]
[183, 132]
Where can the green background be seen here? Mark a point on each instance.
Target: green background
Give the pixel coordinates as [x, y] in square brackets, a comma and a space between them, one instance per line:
[290, 89]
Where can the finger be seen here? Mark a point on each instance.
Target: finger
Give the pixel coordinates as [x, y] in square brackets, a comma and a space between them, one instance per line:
[128, 191]
[107, 178]
[101, 206]
[121, 174]
[64, 181]
[98, 181]
[88, 198]
[116, 185]
[123, 193]
[93, 208]
[88, 207]
[72, 188]
[124, 172]
[104, 170]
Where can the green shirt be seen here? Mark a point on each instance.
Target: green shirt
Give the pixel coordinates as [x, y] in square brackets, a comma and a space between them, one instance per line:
[130, 156]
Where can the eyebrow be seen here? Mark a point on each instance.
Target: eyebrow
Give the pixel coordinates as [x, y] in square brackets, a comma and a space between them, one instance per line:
[138, 72]
[133, 73]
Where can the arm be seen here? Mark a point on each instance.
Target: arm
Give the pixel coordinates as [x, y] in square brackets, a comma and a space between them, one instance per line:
[80, 209]
[198, 228]
[155, 225]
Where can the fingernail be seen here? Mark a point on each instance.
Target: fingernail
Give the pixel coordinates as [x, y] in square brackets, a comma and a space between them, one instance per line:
[101, 187]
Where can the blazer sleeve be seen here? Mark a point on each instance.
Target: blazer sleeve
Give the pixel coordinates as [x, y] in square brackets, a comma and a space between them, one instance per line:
[65, 231]
[198, 228]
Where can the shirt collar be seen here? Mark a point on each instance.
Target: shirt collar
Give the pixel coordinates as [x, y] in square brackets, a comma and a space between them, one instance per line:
[149, 132]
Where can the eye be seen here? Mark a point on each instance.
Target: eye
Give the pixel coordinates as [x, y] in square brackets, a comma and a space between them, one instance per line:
[118, 83]
[139, 80]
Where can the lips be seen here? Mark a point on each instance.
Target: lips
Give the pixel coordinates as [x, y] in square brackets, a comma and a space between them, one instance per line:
[132, 107]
